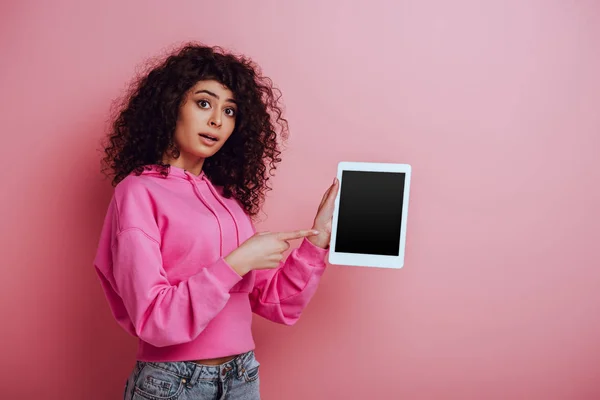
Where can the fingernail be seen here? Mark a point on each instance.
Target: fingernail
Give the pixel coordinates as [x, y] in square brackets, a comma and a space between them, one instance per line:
[315, 232]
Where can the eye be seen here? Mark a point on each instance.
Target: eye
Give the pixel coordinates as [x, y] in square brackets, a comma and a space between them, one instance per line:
[230, 112]
[203, 104]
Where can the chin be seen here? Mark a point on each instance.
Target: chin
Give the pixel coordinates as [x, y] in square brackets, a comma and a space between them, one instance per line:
[206, 152]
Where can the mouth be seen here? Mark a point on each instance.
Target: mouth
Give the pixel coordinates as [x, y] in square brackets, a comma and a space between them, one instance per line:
[209, 137]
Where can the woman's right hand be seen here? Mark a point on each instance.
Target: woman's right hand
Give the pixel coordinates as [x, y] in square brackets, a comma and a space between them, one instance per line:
[263, 250]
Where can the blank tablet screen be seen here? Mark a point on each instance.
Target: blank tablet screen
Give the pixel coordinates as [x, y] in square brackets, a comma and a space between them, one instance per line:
[370, 212]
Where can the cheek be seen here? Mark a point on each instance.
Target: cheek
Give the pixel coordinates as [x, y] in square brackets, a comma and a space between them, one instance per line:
[188, 126]
[178, 135]
[229, 126]
[191, 117]
[185, 139]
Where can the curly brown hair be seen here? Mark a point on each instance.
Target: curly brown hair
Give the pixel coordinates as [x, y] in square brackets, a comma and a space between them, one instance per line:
[144, 124]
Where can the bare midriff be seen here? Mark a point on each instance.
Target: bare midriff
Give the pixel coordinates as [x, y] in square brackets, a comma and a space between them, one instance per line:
[214, 361]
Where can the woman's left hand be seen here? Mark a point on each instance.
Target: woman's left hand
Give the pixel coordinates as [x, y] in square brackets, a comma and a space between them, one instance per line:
[324, 217]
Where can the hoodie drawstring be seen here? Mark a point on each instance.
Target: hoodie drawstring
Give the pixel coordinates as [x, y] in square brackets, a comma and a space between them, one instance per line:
[218, 197]
[212, 210]
[192, 179]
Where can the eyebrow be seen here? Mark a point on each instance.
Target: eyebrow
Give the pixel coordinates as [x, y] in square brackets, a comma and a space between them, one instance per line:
[208, 92]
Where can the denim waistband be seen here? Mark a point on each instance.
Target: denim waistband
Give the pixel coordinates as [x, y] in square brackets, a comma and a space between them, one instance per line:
[192, 371]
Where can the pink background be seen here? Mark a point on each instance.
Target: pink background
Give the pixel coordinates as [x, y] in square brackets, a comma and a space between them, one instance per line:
[496, 106]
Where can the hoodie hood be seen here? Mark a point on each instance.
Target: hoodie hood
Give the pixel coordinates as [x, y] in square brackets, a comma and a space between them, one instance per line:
[173, 172]
[208, 195]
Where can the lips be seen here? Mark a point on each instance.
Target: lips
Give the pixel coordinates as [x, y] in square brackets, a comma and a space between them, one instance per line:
[209, 137]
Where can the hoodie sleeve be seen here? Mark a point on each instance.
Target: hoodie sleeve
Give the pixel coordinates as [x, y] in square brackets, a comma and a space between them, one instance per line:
[280, 295]
[163, 314]
[130, 265]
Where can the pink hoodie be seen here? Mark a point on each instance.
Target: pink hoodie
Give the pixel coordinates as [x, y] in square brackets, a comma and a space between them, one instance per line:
[161, 264]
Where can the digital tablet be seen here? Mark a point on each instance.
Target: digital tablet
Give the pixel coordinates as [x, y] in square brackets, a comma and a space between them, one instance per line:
[369, 219]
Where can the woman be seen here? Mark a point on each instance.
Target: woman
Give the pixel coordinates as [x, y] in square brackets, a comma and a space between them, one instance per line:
[183, 269]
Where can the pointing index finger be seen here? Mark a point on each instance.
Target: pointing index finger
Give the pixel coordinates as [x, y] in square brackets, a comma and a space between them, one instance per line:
[297, 234]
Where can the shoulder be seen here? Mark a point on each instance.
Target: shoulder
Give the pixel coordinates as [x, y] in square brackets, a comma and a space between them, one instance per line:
[131, 185]
[136, 189]
[134, 203]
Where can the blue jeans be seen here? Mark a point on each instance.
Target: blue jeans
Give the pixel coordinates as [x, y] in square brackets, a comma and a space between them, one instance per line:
[235, 380]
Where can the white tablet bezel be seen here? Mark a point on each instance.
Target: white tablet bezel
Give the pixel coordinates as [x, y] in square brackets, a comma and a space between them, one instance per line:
[370, 260]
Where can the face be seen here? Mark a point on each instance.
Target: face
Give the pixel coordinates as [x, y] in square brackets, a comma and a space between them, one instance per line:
[206, 120]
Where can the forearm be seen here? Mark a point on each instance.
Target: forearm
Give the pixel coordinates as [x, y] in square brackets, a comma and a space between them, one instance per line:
[281, 295]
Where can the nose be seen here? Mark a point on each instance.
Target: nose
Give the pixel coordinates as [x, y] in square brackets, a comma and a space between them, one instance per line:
[215, 120]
